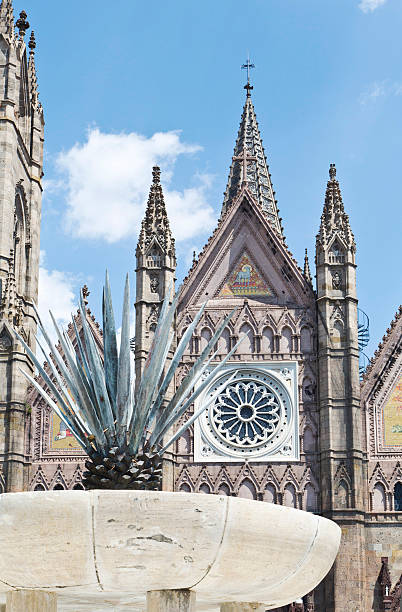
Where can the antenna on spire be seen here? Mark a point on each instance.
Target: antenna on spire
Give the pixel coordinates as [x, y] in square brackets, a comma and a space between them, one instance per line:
[248, 66]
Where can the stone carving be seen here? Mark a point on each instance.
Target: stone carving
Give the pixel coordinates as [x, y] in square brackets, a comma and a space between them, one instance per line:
[5, 341]
[154, 283]
[336, 280]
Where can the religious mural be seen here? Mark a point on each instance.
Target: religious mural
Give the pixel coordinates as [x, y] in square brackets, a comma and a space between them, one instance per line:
[392, 415]
[245, 280]
[61, 437]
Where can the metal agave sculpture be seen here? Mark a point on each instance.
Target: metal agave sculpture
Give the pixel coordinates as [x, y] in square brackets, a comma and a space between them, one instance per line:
[123, 432]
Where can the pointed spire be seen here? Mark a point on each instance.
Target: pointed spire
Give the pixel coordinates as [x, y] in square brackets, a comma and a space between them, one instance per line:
[249, 168]
[7, 19]
[306, 270]
[334, 220]
[33, 81]
[155, 225]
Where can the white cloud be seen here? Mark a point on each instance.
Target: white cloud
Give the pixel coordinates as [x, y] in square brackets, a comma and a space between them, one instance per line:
[368, 6]
[107, 180]
[380, 89]
[56, 293]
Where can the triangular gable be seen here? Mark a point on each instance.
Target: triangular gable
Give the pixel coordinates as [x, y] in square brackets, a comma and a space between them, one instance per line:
[245, 280]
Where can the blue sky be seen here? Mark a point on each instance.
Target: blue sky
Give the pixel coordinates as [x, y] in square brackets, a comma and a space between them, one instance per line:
[127, 84]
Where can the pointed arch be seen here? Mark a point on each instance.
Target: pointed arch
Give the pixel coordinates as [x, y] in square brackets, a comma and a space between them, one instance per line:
[289, 495]
[205, 337]
[204, 488]
[267, 340]
[270, 493]
[306, 343]
[310, 498]
[378, 498]
[247, 346]
[398, 496]
[286, 340]
[223, 489]
[184, 443]
[343, 494]
[247, 489]
[337, 334]
[185, 487]
[224, 342]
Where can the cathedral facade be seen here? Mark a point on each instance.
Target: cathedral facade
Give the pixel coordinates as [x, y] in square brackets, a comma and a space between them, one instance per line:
[294, 425]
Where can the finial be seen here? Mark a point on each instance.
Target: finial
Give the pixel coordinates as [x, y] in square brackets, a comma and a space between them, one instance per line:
[32, 43]
[247, 66]
[22, 24]
[332, 171]
[85, 294]
[156, 175]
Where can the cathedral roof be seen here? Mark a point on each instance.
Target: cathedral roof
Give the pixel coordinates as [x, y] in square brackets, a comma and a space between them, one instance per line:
[249, 169]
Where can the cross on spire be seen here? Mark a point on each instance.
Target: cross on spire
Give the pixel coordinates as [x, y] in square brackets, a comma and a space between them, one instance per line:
[248, 66]
[244, 157]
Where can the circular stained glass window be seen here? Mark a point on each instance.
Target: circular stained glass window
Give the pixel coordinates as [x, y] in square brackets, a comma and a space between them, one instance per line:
[247, 413]
[250, 415]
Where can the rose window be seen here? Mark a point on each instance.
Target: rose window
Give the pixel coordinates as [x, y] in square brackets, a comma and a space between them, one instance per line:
[247, 413]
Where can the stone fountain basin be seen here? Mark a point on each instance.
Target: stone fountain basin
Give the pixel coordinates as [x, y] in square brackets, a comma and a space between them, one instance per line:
[93, 546]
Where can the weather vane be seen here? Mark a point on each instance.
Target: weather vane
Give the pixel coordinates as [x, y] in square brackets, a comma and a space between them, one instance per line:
[247, 66]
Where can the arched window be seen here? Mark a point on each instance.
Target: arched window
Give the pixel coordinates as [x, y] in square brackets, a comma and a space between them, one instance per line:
[267, 341]
[310, 498]
[39, 487]
[398, 496]
[343, 495]
[58, 487]
[247, 490]
[289, 496]
[336, 254]
[246, 347]
[224, 342]
[286, 340]
[305, 339]
[379, 497]
[78, 487]
[223, 489]
[185, 488]
[205, 338]
[204, 488]
[337, 334]
[270, 494]
[20, 267]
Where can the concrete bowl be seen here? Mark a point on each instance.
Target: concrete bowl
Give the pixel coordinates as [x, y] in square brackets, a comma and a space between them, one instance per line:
[97, 547]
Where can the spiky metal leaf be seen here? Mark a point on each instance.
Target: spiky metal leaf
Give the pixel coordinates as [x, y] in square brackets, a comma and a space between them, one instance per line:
[92, 393]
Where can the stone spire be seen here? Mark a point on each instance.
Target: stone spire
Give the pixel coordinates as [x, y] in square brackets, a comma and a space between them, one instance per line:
[306, 270]
[7, 19]
[33, 81]
[334, 220]
[155, 225]
[22, 24]
[250, 169]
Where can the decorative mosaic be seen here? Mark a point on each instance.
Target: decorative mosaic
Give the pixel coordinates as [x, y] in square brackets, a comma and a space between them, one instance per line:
[61, 437]
[392, 415]
[245, 280]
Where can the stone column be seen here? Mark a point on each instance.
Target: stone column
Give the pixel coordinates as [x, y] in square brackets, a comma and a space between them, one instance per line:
[242, 607]
[180, 600]
[34, 601]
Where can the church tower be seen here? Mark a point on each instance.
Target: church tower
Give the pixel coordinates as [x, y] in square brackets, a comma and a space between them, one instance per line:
[342, 447]
[156, 266]
[21, 151]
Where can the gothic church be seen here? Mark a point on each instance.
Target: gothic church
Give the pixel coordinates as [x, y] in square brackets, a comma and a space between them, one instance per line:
[327, 442]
